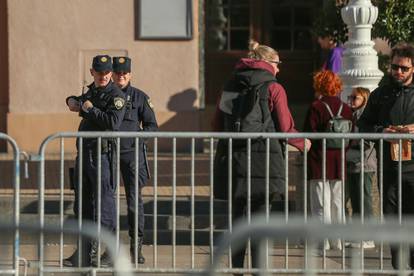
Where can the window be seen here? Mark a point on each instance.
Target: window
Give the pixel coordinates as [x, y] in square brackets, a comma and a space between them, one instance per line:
[228, 24]
[289, 23]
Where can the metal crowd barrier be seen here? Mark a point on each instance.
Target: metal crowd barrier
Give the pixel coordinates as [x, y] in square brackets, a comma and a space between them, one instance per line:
[13, 268]
[122, 265]
[157, 262]
[264, 228]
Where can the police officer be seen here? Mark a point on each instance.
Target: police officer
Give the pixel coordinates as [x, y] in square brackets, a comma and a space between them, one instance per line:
[139, 116]
[101, 109]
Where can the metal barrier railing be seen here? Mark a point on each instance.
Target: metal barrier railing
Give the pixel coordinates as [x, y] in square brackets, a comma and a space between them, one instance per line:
[14, 268]
[122, 266]
[262, 228]
[192, 265]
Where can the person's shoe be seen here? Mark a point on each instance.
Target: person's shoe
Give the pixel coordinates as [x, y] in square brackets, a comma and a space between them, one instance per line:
[93, 253]
[106, 260]
[365, 244]
[140, 259]
[71, 261]
[368, 244]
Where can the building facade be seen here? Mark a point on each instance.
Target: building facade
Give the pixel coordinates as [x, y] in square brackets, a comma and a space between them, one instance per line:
[46, 47]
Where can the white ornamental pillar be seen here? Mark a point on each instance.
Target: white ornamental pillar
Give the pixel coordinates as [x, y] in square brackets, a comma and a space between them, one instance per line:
[360, 60]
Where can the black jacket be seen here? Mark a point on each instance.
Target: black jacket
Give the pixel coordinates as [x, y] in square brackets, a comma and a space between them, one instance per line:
[387, 105]
[139, 115]
[106, 114]
[258, 149]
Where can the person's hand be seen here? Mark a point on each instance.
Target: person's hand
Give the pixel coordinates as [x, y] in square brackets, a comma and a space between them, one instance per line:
[73, 105]
[407, 128]
[86, 106]
[308, 144]
[392, 129]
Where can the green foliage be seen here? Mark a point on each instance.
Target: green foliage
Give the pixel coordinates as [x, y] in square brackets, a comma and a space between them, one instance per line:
[395, 21]
[328, 21]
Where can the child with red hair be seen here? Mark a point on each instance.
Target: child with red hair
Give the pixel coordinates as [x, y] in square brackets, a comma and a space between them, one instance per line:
[326, 196]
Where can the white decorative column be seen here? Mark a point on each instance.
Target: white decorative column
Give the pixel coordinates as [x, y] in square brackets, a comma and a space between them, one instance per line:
[360, 60]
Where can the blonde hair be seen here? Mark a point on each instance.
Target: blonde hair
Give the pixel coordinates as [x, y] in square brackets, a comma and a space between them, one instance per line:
[261, 52]
[363, 92]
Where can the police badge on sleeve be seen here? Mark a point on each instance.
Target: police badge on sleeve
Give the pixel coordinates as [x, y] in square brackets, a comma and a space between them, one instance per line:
[119, 102]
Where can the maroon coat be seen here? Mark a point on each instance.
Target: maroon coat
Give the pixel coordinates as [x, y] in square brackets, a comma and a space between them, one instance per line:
[316, 121]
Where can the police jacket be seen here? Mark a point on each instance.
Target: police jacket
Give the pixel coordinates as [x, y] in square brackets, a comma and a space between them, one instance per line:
[107, 112]
[390, 104]
[254, 73]
[139, 116]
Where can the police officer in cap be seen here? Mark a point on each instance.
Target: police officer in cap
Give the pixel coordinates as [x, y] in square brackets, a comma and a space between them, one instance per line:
[102, 108]
[139, 116]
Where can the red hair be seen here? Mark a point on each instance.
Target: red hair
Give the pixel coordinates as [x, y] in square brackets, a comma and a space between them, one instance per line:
[327, 83]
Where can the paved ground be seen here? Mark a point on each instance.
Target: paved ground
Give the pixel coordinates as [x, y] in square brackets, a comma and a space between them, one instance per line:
[161, 257]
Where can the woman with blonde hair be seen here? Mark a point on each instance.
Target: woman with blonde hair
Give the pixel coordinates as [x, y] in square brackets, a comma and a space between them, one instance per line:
[358, 100]
[326, 197]
[269, 113]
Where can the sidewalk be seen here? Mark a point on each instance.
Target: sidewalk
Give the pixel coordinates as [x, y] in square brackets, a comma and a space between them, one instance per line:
[201, 258]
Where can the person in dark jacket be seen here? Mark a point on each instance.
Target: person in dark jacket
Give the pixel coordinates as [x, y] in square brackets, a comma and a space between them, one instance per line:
[390, 109]
[139, 116]
[326, 197]
[260, 67]
[101, 109]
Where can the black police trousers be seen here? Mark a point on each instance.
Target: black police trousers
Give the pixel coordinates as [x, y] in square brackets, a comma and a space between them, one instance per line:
[390, 199]
[90, 190]
[127, 165]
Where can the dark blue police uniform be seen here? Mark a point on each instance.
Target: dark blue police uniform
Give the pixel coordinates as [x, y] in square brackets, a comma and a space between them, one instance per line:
[106, 114]
[139, 116]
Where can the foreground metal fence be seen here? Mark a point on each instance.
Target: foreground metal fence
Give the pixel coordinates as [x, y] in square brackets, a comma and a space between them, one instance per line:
[193, 255]
[6, 268]
[263, 230]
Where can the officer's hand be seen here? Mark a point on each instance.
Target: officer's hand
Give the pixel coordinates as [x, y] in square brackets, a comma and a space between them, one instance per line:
[87, 105]
[73, 105]
[308, 144]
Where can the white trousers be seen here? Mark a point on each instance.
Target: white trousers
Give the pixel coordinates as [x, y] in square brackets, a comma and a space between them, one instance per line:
[326, 203]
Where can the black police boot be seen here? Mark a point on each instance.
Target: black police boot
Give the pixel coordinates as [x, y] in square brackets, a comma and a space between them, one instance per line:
[141, 259]
[93, 253]
[72, 261]
[106, 260]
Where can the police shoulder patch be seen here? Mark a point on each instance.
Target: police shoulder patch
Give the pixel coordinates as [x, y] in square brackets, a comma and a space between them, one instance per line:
[150, 103]
[119, 102]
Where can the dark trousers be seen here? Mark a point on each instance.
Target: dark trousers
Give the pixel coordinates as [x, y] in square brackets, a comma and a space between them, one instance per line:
[90, 193]
[239, 211]
[353, 192]
[127, 164]
[390, 198]
[90, 190]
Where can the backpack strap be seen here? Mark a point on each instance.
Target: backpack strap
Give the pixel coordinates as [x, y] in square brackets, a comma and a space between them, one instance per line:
[329, 109]
[340, 110]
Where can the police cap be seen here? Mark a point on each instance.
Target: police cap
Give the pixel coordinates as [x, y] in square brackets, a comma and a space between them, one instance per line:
[122, 64]
[102, 63]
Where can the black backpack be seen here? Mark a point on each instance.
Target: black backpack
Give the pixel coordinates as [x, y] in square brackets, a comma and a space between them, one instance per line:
[246, 110]
[337, 124]
[243, 111]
